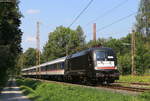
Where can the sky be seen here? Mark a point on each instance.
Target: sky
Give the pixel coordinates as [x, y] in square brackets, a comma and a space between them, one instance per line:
[53, 13]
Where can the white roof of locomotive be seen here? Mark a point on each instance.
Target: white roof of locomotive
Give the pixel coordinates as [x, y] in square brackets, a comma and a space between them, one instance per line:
[47, 63]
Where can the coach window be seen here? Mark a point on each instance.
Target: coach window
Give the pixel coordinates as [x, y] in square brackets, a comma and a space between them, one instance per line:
[57, 66]
[62, 65]
[50, 67]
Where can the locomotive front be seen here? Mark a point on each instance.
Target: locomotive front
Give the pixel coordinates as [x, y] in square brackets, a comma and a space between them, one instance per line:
[105, 65]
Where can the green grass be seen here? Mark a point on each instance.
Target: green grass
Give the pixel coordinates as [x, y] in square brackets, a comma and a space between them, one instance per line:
[129, 78]
[40, 91]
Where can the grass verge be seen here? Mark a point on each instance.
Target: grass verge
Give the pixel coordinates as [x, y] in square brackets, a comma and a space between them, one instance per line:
[40, 91]
[130, 79]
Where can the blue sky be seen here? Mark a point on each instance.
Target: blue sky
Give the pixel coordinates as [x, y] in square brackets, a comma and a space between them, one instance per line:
[53, 13]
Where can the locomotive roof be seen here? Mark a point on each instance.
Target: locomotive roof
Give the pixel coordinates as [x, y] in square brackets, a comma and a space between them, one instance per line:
[103, 48]
[83, 52]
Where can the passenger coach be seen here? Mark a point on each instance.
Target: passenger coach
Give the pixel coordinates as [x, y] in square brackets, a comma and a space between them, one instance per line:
[50, 69]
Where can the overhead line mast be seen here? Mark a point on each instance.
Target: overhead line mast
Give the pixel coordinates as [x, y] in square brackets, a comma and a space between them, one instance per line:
[38, 48]
[133, 52]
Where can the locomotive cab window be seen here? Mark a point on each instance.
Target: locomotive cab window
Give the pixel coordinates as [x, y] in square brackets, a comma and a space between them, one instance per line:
[100, 55]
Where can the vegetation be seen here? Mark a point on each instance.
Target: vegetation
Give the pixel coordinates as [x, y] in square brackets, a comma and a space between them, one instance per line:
[132, 79]
[10, 38]
[63, 41]
[27, 59]
[143, 18]
[40, 91]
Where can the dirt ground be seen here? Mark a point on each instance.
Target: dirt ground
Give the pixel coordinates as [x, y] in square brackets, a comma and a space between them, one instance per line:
[12, 92]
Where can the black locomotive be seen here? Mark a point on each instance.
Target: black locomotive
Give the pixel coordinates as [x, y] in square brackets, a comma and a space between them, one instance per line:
[93, 65]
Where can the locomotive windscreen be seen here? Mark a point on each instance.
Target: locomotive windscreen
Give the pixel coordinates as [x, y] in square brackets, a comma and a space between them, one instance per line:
[105, 59]
[100, 55]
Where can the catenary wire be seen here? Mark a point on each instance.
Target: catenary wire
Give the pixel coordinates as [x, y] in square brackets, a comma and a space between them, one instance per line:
[107, 12]
[119, 20]
[81, 13]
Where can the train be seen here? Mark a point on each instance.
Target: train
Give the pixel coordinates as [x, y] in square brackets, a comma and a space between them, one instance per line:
[90, 66]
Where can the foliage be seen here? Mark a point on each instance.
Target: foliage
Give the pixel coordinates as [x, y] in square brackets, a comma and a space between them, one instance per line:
[124, 64]
[30, 57]
[63, 41]
[145, 95]
[10, 37]
[142, 58]
[129, 78]
[61, 92]
[27, 90]
[28, 82]
[143, 18]
[26, 59]
[80, 34]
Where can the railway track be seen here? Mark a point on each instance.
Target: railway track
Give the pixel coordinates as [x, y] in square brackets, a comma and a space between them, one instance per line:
[131, 89]
[115, 87]
[135, 83]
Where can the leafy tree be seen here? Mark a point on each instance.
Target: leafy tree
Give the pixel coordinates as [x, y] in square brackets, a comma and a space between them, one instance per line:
[115, 44]
[143, 37]
[92, 43]
[142, 58]
[63, 41]
[10, 36]
[5, 62]
[20, 63]
[80, 35]
[143, 18]
[124, 63]
[27, 59]
[30, 57]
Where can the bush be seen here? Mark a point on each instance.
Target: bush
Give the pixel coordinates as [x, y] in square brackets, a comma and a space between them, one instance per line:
[27, 90]
[145, 95]
[28, 82]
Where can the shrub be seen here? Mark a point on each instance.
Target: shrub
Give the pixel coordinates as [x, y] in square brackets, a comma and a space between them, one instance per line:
[145, 95]
[27, 90]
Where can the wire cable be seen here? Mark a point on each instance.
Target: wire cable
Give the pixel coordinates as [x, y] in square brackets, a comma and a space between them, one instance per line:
[81, 13]
[107, 12]
[119, 20]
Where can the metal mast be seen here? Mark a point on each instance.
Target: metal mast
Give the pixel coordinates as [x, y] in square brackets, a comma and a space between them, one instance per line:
[133, 53]
[38, 48]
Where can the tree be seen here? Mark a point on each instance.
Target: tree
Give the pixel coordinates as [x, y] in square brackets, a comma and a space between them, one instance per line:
[116, 44]
[124, 63]
[143, 18]
[5, 62]
[63, 41]
[10, 36]
[30, 57]
[142, 58]
[80, 35]
[27, 59]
